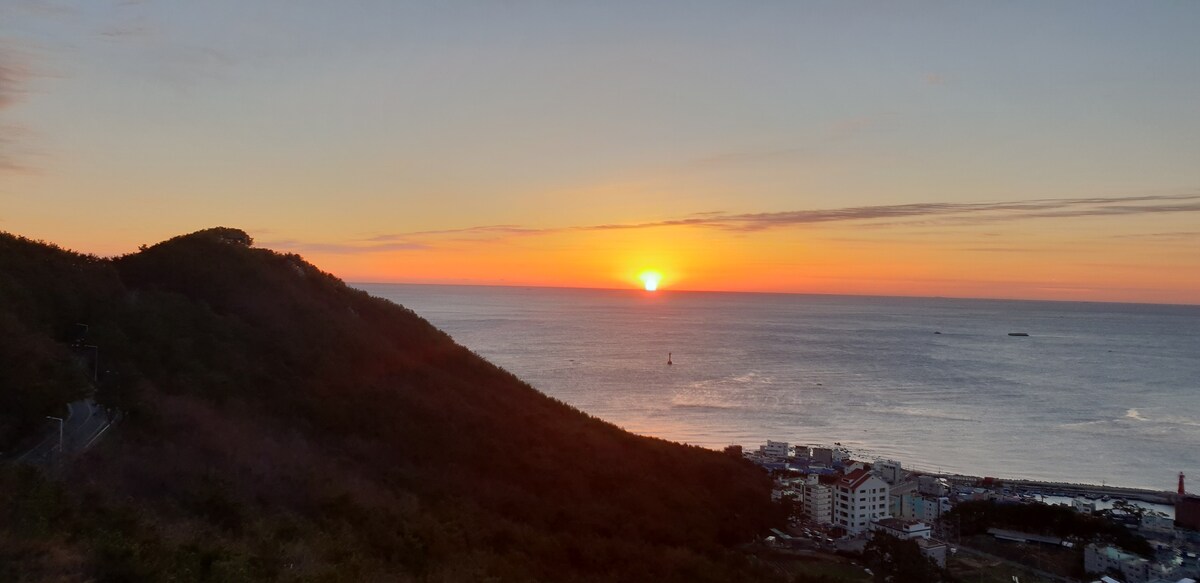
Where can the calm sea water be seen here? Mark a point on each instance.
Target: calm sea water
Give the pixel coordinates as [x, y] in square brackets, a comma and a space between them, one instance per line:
[1098, 393]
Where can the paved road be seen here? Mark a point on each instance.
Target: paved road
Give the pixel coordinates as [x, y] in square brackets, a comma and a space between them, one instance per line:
[83, 425]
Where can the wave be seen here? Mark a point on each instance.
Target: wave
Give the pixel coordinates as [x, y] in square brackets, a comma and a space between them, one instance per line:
[1135, 414]
[738, 391]
[930, 414]
[716, 406]
[735, 380]
[1134, 425]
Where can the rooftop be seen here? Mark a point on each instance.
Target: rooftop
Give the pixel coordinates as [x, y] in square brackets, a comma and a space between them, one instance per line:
[1018, 536]
[854, 480]
[900, 523]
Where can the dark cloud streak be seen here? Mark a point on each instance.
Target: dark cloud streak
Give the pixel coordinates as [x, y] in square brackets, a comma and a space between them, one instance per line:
[868, 216]
[962, 212]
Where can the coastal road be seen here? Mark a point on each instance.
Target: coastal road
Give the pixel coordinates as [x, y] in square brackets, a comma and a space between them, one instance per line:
[83, 425]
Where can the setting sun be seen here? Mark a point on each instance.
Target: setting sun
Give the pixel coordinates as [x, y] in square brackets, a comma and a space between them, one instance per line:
[650, 279]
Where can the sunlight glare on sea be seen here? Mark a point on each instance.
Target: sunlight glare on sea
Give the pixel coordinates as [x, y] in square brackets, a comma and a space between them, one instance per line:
[1096, 392]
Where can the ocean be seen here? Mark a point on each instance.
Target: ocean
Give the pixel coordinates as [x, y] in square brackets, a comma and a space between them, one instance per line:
[1097, 393]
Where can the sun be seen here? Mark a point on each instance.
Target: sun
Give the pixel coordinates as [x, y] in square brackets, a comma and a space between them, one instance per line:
[650, 279]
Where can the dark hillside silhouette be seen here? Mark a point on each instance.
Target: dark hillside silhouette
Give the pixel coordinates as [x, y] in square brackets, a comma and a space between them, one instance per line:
[281, 426]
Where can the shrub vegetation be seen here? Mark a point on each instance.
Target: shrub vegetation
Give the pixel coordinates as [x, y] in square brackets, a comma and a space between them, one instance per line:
[282, 426]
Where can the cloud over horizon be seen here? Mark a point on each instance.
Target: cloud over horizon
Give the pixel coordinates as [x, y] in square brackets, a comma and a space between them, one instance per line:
[878, 216]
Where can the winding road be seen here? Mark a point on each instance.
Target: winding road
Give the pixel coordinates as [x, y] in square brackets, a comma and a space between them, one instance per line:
[85, 422]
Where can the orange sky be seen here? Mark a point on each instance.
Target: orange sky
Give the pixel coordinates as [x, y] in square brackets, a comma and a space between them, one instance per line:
[1039, 150]
[1013, 258]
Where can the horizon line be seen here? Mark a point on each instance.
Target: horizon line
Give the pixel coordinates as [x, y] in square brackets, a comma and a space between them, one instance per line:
[779, 293]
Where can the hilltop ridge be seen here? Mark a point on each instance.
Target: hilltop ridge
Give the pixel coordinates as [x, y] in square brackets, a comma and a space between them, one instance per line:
[282, 426]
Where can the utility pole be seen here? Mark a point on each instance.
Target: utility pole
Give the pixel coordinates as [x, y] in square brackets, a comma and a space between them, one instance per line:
[60, 432]
[95, 361]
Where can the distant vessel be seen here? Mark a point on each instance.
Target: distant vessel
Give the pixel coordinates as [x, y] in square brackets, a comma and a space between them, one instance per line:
[669, 363]
[1018, 334]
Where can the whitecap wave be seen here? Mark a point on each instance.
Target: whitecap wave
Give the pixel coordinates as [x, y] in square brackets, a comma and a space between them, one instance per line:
[740, 391]
[1136, 425]
[930, 414]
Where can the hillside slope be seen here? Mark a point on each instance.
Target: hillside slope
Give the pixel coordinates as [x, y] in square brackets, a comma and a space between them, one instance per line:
[280, 425]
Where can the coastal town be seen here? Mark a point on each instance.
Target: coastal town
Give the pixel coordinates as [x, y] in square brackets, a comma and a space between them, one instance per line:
[838, 504]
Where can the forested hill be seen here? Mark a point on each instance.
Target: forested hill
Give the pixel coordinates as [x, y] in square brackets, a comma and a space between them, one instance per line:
[281, 426]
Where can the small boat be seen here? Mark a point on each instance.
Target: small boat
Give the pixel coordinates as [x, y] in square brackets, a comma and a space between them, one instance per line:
[669, 363]
[1018, 334]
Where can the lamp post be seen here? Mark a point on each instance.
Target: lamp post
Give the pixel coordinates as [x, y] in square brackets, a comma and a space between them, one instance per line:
[60, 432]
[95, 361]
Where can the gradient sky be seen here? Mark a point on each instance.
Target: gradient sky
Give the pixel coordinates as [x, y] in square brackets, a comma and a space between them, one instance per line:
[1003, 149]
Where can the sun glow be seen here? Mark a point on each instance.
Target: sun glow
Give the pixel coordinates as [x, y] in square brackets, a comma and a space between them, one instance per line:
[650, 279]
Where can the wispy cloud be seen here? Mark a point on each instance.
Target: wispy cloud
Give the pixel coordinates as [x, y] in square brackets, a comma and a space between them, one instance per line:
[16, 70]
[127, 31]
[342, 248]
[468, 232]
[958, 213]
[877, 216]
[1165, 236]
[14, 73]
[1001, 250]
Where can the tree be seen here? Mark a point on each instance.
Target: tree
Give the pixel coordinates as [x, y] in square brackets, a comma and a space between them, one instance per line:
[893, 560]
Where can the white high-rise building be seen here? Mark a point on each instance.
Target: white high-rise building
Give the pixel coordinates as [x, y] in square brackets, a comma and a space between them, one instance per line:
[818, 501]
[860, 498]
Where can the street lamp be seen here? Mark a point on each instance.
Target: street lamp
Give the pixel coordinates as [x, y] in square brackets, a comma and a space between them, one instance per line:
[95, 360]
[60, 432]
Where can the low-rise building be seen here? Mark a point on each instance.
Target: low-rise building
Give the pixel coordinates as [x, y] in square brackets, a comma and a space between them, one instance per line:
[933, 486]
[1187, 512]
[778, 449]
[840, 453]
[822, 455]
[889, 470]
[1083, 505]
[915, 506]
[1026, 537]
[902, 529]
[934, 550]
[1107, 559]
[1156, 523]
[860, 498]
[930, 509]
